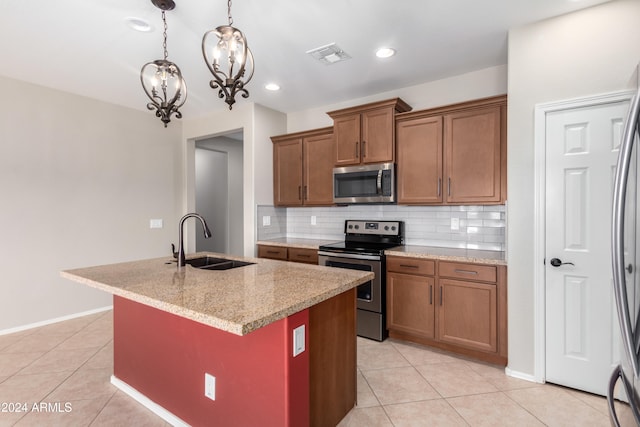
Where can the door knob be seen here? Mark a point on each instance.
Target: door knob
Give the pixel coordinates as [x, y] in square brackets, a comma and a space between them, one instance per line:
[558, 262]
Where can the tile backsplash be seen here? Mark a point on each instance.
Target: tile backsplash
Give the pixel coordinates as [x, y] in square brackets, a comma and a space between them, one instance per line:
[478, 227]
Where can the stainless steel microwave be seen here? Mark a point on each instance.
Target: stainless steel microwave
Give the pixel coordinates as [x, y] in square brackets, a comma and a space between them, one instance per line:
[364, 184]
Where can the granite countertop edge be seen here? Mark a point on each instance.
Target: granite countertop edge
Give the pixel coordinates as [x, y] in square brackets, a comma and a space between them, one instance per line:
[449, 254]
[248, 322]
[476, 256]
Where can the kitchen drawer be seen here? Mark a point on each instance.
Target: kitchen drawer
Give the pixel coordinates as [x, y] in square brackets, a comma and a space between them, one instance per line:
[407, 265]
[273, 252]
[309, 256]
[455, 270]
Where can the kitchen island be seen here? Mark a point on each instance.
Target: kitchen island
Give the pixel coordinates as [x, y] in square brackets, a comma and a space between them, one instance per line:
[174, 327]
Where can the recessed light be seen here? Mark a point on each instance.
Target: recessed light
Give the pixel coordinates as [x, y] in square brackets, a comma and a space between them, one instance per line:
[385, 52]
[138, 24]
[272, 87]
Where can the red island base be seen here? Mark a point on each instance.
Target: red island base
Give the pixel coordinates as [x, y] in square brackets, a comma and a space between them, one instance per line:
[164, 358]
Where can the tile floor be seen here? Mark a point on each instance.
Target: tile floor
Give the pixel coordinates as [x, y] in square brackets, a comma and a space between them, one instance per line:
[399, 384]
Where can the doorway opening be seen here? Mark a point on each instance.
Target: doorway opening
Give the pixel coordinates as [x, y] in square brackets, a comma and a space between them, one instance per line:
[218, 192]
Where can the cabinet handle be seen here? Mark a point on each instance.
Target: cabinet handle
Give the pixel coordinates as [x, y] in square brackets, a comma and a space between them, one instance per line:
[357, 155]
[299, 192]
[273, 252]
[364, 152]
[408, 266]
[430, 294]
[440, 295]
[465, 271]
[439, 186]
[449, 186]
[303, 256]
[306, 193]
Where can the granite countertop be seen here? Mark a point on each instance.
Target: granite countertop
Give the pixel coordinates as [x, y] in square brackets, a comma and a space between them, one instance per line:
[238, 300]
[296, 242]
[449, 254]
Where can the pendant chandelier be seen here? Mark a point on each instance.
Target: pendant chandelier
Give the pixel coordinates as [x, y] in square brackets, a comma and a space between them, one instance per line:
[229, 59]
[162, 80]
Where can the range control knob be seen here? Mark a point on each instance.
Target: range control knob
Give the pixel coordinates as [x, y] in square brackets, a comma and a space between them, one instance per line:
[350, 226]
[393, 227]
[386, 227]
[357, 226]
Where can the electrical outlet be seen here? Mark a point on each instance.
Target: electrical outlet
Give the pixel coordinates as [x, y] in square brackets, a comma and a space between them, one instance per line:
[210, 386]
[298, 340]
[155, 223]
[313, 220]
[266, 221]
[455, 223]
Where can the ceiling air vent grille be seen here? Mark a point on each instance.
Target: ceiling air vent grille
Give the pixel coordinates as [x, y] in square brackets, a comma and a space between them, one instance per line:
[329, 54]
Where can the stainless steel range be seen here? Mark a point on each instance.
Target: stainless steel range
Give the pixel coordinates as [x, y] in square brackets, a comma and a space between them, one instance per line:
[363, 249]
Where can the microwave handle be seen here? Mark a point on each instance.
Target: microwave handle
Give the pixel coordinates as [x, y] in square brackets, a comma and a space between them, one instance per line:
[379, 182]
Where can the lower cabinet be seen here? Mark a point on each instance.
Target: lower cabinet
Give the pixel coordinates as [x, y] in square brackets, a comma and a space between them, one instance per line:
[459, 307]
[284, 253]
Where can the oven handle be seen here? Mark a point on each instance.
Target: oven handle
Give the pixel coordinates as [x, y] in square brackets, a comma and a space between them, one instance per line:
[379, 182]
[351, 256]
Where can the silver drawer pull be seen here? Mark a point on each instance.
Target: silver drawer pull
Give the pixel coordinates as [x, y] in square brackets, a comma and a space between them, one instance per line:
[465, 271]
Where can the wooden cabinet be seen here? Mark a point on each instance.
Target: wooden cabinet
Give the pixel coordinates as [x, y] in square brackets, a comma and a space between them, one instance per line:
[303, 168]
[460, 307]
[419, 160]
[410, 303]
[453, 155]
[272, 252]
[366, 133]
[283, 253]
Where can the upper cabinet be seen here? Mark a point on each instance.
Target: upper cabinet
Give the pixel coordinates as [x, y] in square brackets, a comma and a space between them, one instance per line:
[303, 168]
[453, 155]
[366, 133]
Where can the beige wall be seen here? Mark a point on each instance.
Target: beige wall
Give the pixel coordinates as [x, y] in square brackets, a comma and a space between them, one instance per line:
[589, 52]
[80, 181]
[477, 84]
[258, 124]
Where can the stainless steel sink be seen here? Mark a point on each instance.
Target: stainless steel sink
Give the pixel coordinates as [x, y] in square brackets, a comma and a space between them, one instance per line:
[213, 263]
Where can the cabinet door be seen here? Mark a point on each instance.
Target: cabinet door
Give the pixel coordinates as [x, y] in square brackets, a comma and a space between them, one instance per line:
[472, 156]
[378, 136]
[287, 173]
[318, 170]
[410, 305]
[419, 173]
[467, 314]
[346, 131]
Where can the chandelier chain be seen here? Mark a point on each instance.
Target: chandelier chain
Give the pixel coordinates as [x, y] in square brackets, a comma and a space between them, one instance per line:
[229, 12]
[164, 35]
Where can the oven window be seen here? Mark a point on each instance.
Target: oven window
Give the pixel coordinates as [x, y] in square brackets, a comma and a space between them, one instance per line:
[364, 291]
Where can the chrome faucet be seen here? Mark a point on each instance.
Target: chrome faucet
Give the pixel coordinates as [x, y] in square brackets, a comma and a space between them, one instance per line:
[207, 234]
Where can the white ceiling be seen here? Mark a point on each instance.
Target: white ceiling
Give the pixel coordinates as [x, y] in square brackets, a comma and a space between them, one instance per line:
[85, 47]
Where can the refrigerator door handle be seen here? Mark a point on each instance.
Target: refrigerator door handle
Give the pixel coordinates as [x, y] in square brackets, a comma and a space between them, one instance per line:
[617, 239]
[616, 375]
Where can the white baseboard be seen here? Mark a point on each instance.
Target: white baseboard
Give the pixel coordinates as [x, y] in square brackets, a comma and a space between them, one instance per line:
[147, 403]
[520, 375]
[56, 320]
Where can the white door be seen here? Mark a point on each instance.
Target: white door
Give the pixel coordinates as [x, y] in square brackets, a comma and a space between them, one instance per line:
[582, 338]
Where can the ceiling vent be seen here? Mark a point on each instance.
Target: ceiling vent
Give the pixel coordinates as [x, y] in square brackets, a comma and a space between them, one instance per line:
[329, 54]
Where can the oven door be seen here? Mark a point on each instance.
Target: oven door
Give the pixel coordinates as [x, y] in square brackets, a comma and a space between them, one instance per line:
[369, 294]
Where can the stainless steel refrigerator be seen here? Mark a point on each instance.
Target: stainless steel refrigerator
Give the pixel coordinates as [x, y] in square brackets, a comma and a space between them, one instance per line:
[624, 386]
